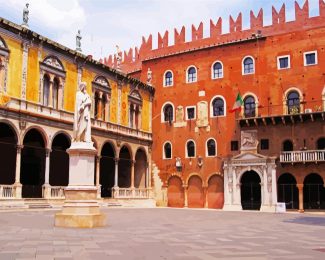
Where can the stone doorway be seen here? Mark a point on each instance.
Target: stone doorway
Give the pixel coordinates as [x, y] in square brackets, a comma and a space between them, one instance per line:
[250, 191]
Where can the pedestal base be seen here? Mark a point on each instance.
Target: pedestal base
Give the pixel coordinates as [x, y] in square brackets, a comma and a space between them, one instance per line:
[81, 209]
[232, 207]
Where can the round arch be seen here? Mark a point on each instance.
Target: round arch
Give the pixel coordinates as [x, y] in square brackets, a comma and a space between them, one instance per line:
[66, 134]
[164, 77]
[250, 189]
[243, 65]
[162, 112]
[186, 150]
[140, 168]
[41, 131]
[288, 191]
[171, 150]
[32, 170]
[195, 192]
[285, 97]
[107, 168]
[215, 191]
[314, 192]
[8, 153]
[124, 166]
[175, 192]
[224, 105]
[247, 94]
[212, 69]
[59, 160]
[196, 71]
[207, 148]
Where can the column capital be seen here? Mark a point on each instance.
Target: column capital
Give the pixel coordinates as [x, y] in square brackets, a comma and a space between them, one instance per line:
[47, 151]
[19, 147]
[116, 160]
[300, 186]
[98, 157]
[133, 162]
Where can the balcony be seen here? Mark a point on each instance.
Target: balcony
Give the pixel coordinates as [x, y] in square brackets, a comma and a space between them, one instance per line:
[34, 111]
[308, 156]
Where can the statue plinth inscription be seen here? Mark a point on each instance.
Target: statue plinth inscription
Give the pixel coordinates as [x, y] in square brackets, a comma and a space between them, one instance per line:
[81, 209]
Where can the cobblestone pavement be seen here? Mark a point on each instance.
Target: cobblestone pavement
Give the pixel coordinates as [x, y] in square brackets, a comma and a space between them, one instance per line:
[164, 233]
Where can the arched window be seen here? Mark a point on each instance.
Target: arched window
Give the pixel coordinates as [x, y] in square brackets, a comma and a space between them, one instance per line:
[287, 146]
[218, 107]
[249, 106]
[217, 70]
[321, 143]
[168, 80]
[191, 75]
[293, 102]
[168, 113]
[248, 66]
[167, 150]
[211, 147]
[55, 93]
[190, 149]
[46, 90]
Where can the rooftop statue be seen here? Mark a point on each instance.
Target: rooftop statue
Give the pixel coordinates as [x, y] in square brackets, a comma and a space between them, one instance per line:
[25, 15]
[78, 41]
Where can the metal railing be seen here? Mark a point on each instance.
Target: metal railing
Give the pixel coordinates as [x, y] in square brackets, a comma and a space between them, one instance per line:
[302, 156]
[7, 191]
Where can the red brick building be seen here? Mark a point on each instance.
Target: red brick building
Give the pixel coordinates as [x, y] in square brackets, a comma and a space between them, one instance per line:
[273, 149]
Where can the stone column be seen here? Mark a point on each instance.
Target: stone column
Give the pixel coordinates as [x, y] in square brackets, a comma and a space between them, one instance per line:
[147, 175]
[51, 93]
[116, 173]
[99, 106]
[301, 197]
[60, 94]
[46, 186]
[140, 118]
[132, 173]
[17, 184]
[97, 176]
[133, 117]
[185, 196]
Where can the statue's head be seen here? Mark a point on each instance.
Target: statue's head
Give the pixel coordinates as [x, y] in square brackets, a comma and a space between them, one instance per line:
[27, 4]
[78, 31]
[82, 86]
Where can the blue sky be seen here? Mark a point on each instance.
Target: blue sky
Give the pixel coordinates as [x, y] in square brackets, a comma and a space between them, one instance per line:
[106, 23]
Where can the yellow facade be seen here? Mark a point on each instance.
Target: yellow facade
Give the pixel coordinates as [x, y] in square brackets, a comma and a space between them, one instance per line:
[14, 74]
[36, 55]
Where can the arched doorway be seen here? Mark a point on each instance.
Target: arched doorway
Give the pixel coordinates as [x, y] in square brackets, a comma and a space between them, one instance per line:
[195, 196]
[8, 154]
[215, 194]
[250, 191]
[140, 169]
[175, 192]
[59, 161]
[314, 192]
[124, 168]
[288, 191]
[33, 165]
[107, 170]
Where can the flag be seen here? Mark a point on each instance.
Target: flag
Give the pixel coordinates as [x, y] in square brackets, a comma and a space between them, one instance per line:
[238, 103]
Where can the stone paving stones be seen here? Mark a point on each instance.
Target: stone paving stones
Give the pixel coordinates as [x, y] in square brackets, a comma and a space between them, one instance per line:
[165, 233]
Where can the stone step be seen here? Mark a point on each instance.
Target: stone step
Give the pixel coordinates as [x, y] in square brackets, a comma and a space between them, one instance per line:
[39, 206]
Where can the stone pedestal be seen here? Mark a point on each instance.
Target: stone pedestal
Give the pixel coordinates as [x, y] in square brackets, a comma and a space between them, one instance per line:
[81, 208]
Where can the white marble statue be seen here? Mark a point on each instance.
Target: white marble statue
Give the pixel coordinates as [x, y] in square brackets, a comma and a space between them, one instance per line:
[118, 58]
[82, 120]
[25, 14]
